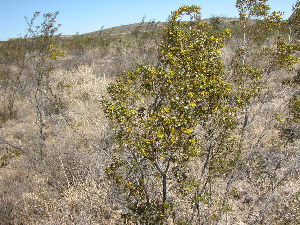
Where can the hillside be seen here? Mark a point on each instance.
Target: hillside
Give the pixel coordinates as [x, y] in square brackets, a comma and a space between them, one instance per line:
[230, 134]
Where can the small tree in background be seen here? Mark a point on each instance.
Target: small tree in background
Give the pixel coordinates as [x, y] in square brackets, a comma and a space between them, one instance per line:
[33, 79]
[263, 51]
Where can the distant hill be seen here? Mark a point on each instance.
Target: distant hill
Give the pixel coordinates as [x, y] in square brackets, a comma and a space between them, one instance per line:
[144, 27]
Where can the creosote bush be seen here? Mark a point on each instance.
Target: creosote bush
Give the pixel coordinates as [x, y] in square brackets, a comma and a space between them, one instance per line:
[156, 112]
[187, 112]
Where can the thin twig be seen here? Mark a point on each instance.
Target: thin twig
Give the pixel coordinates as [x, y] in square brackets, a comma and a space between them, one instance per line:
[12, 145]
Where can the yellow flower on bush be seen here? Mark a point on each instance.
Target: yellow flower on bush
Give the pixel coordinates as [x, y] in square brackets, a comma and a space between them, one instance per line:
[188, 131]
[193, 104]
[191, 94]
[197, 151]
[128, 184]
[143, 152]
[193, 141]
[173, 139]
[132, 112]
[167, 121]
[159, 135]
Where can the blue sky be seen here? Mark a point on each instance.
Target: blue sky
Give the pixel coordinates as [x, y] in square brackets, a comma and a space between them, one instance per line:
[85, 16]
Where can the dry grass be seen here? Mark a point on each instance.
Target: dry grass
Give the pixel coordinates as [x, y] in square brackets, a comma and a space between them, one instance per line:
[67, 187]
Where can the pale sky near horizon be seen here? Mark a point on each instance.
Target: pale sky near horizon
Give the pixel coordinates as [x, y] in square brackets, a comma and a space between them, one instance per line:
[85, 16]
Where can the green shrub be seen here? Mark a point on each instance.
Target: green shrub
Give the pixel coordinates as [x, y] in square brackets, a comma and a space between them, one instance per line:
[185, 110]
[155, 112]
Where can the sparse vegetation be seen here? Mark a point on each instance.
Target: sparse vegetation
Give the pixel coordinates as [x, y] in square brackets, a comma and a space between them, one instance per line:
[184, 122]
